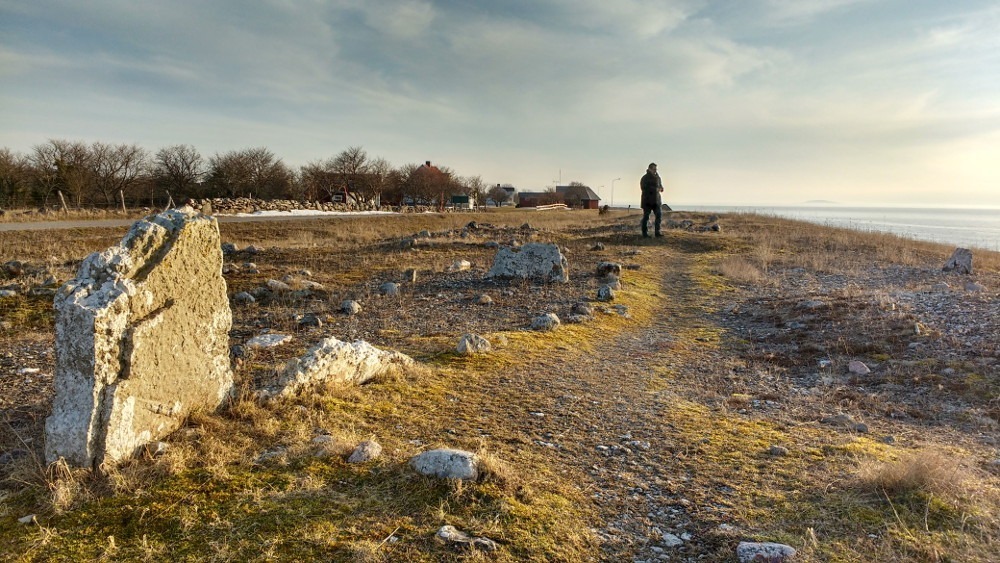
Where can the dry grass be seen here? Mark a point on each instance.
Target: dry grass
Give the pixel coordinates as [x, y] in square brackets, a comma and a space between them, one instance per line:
[214, 495]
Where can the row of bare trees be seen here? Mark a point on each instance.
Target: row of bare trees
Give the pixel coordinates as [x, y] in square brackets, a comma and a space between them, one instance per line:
[108, 175]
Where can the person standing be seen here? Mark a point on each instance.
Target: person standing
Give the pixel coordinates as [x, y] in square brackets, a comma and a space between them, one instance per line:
[651, 187]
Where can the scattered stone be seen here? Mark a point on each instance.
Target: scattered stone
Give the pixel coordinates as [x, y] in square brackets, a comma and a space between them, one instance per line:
[582, 308]
[974, 287]
[460, 266]
[861, 428]
[633, 267]
[365, 452]
[250, 268]
[136, 349]
[597, 246]
[670, 540]
[350, 307]
[334, 361]
[778, 451]
[473, 344]
[229, 248]
[888, 439]
[243, 298]
[389, 289]
[811, 304]
[839, 420]
[278, 286]
[548, 321]
[268, 340]
[577, 319]
[28, 371]
[941, 287]
[42, 292]
[766, 552]
[609, 269]
[960, 262]
[311, 285]
[450, 534]
[7, 293]
[531, 261]
[858, 368]
[12, 268]
[309, 319]
[447, 464]
[29, 519]
[276, 453]
[410, 275]
[423, 234]
[157, 449]
[253, 249]
[484, 300]
[491, 244]
[605, 293]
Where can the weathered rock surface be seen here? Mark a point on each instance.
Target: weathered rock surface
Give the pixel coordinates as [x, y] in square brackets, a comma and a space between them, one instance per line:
[767, 552]
[960, 261]
[532, 261]
[447, 464]
[365, 452]
[452, 535]
[136, 349]
[548, 321]
[333, 360]
[473, 344]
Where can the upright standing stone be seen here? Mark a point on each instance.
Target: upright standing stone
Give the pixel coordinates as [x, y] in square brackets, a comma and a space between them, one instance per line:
[142, 337]
[960, 261]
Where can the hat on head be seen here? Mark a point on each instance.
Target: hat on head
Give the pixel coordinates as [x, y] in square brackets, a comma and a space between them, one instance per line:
[651, 164]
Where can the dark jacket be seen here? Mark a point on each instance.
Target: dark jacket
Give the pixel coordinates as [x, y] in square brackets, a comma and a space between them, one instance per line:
[650, 185]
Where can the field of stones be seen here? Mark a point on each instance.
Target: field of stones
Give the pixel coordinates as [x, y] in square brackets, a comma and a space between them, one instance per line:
[744, 386]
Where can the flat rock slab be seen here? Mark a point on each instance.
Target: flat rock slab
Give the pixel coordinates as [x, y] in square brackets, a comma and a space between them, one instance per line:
[532, 261]
[142, 339]
[447, 464]
[333, 360]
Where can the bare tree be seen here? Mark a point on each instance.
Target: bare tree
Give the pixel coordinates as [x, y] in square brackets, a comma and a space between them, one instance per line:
[64, 166]
[376, 181]
[15, 179]
[254, 171]
[117, 168]
[475, 188]
[499, 195]
[179, 169]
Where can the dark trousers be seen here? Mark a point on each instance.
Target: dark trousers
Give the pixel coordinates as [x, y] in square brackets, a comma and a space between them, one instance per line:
[658, 215]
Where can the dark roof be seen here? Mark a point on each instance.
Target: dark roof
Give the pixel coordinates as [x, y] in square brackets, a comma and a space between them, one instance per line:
[583, 192]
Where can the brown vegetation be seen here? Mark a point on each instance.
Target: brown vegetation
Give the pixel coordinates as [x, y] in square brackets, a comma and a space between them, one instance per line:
[720, 407]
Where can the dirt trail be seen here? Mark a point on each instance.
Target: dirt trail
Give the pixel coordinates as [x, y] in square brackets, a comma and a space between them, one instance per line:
[601, 417]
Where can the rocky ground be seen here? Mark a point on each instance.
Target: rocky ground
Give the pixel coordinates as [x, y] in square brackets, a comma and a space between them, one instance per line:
[725, 411]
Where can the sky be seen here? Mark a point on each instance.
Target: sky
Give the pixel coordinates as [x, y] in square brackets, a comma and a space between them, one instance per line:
[739, 102]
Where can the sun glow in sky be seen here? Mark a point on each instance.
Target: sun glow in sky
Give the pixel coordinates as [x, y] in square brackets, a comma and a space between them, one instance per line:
[766, 102]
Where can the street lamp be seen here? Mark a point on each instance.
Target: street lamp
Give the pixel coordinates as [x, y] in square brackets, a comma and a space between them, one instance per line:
[613, 191]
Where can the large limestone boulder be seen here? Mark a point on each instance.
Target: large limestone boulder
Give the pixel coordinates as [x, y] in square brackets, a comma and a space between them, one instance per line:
[533, 260]
[142, 337]
[333, 360]
[959, 262]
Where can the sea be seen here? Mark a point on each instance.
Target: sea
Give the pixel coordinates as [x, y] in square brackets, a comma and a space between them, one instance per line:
[965, 227]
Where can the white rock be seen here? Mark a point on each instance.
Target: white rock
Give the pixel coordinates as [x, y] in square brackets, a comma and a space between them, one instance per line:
[533, 260]
[473, 344]
[333, 360]
[670, 540]
[750, 552]
[858, 368]
[268, 340]
[447, 464]
[142, 340]
[278, 286]
[350, 307]
[365, 452]
[548, 321]
[460, 266]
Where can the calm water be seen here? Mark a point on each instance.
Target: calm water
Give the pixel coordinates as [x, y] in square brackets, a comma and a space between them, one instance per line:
[979, 228]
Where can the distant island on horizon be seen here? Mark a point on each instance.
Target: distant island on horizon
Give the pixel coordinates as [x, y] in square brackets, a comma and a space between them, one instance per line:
[821, 201]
